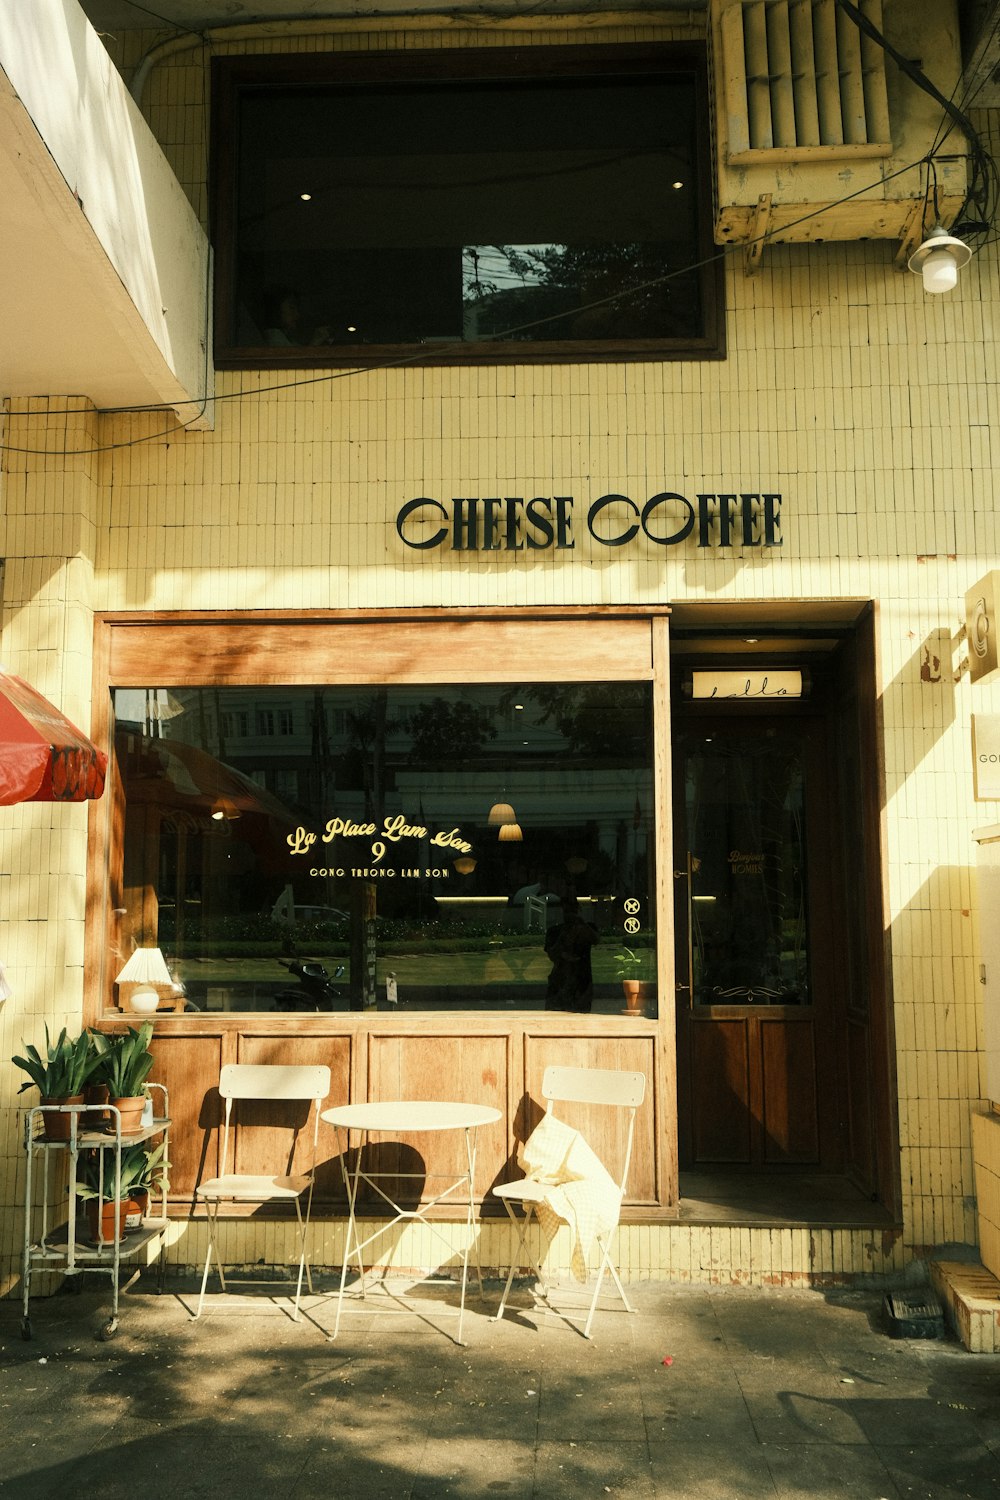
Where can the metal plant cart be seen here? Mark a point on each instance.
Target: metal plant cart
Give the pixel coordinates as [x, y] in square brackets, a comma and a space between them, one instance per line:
[51, 1244]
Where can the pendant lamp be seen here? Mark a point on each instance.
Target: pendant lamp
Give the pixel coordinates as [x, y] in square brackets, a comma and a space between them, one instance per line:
[939, 260]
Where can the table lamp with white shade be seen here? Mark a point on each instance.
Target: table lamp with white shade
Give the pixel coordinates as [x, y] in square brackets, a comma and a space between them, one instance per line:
[146, 971]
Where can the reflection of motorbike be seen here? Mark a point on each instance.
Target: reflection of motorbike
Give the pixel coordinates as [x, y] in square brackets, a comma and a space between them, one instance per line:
[315, 991]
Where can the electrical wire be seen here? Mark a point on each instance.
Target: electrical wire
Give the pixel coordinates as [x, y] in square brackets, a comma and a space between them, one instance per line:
[328, 377]
[983, 46]
[174, 24]
[986, 178]
[983, 191]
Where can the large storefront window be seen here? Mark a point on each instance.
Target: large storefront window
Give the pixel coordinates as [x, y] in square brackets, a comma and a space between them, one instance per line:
[471, 204]
[422, 848]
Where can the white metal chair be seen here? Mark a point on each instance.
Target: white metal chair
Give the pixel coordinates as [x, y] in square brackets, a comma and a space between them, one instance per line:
[264, 1082]
[567, 1182]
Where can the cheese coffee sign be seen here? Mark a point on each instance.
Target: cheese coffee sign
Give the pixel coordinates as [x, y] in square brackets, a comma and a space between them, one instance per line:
[560, 523]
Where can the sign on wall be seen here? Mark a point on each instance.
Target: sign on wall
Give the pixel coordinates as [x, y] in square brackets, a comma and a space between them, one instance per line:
[557, 523]
[376, 841]
[981, 628]
[751, 684]
[986, 757]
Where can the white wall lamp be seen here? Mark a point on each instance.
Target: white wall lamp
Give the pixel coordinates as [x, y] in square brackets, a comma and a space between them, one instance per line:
[939, 260]
[146, 972]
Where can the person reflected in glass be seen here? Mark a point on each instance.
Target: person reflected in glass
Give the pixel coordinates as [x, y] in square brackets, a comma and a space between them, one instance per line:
[281, 318]
[571, 981]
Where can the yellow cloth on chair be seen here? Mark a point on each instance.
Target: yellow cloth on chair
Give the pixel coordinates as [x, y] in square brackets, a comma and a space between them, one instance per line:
[581, 1191]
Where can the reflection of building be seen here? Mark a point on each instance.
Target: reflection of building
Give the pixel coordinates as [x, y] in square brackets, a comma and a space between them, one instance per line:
[799, 478]
[396, 791]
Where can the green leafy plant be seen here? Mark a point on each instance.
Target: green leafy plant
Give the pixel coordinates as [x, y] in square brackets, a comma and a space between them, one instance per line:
[144, 1169]
[69, 1064]
[125, 1061]
[629, 964]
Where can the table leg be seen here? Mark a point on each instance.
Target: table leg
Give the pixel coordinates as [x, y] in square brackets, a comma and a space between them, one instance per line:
[351, 1241]
[470, 1226]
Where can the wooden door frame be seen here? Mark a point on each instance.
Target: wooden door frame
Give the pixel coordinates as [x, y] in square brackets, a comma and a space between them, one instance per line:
[785, 626]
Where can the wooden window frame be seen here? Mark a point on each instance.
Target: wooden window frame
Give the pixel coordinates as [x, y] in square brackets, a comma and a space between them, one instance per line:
[232, 74]
[269, 647]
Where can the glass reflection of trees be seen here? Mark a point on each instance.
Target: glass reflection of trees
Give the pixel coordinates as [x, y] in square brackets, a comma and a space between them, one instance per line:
[213, 793]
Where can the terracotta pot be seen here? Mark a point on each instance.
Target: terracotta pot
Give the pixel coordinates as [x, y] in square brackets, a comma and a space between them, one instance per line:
[131, 1113]
[136, 1206]
[106, 1220]
[632, 989]
[57, 1127]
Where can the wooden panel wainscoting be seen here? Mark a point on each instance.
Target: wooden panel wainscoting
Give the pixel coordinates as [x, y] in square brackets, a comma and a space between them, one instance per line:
[486, 1059]
[189, 1067]
[260, 1144]
[604, 1129]
[719, 1088]
[474, 1069]
[754, 1097]
[790, 1109]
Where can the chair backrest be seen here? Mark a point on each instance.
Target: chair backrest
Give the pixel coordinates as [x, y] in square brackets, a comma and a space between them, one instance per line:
[593, 1086]
[273, 1081]
[608, 1086]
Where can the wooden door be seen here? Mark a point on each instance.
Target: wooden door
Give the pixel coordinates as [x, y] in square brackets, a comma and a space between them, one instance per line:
[759, 1082]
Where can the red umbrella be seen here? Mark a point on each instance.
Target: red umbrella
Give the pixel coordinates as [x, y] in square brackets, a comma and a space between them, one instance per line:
[43, 757]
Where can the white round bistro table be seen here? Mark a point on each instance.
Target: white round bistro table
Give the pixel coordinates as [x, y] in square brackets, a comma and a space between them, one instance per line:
[400, 1117]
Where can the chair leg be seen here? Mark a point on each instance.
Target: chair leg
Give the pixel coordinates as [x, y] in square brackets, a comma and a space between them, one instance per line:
[304, 1267]
[607, 1264]
[621, 1290]
[522, 1245]
[212, 1248]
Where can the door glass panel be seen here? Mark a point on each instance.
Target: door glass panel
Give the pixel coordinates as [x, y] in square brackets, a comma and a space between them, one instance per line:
[744, 808]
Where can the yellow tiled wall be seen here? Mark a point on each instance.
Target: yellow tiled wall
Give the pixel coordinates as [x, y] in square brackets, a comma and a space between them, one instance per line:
[871, 407]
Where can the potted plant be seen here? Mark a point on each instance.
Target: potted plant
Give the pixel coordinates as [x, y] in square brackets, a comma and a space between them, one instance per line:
[629, 965]
[143, 1170]
[60, 1076]
[124, 1064]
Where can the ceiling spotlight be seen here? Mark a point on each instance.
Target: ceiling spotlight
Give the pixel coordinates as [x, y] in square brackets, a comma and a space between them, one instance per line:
[939, 260]
[306, 197]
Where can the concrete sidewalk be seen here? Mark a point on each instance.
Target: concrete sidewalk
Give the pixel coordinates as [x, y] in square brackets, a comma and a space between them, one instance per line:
[713, 1393]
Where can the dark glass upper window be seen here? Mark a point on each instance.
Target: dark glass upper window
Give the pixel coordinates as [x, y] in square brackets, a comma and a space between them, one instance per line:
[516, 204]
